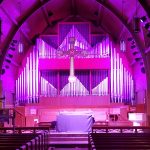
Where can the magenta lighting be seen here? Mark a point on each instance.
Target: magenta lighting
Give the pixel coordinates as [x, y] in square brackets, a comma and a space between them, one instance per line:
[103, 71]
[100, 50]
[27, 82]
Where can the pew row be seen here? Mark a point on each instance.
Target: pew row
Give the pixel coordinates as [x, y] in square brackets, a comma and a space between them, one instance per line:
[119, 141]
[21, 139]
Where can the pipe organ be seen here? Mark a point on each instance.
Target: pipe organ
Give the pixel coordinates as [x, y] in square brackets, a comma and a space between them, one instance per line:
[122, 87]
[115, 81]
[27, 90]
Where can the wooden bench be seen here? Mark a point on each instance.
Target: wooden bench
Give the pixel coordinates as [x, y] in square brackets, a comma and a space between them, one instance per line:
[24, 141]
[121, 129]
[119, 141]
[21, 130]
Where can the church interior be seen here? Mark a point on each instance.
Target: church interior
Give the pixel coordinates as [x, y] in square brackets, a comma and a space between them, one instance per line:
[74, 74]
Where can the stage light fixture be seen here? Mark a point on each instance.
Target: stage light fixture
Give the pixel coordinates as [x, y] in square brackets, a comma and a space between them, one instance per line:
[14, 41]
[12, 48]
[133, 46]
[10, 55]
[134, 53]
[136, 24]
[7, 60]
[143, 19]
[12, 44]
[147, 25]
[130, 39]
[137, 59]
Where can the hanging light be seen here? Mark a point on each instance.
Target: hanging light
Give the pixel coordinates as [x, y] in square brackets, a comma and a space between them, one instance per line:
[20, 44]
[122, 41]
[122, 45]
[143, 19]
[20, 47]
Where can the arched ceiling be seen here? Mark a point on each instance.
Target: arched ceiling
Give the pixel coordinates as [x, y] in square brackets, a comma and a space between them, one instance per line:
[25, 19]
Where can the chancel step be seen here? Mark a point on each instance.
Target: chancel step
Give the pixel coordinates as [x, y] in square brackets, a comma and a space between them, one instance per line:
[58, 139]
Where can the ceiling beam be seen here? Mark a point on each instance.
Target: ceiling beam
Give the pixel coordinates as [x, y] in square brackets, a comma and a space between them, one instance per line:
[15, 27]
[16, 23]
[128, 26]
[45, 15]
[100, 15]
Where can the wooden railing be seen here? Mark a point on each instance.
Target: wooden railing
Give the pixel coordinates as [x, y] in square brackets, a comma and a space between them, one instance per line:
[27, 141]
[21, 130]
[120, 129]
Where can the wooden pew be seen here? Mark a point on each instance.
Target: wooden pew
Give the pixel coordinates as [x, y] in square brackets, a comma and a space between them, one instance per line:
[119, 141]
[24, 141]
[121, 129]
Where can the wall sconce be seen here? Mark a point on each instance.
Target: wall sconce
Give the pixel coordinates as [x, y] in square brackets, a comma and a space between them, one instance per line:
[122, 45]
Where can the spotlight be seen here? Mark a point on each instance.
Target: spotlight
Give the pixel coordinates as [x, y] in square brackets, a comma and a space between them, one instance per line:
[134, 53]
[14, 41]
[130, 39]
[10, 55]
[7, 60]
[12, 48]
[136, 24]
[133, 46]
[147, 25]
[138, 59]
[12, 44]
[143, 19]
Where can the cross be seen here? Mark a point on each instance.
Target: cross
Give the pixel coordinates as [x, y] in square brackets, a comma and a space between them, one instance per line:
[71, 52]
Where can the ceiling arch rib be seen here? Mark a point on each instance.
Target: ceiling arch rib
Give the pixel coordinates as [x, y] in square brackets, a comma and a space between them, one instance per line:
[129, 27]
[16, 26]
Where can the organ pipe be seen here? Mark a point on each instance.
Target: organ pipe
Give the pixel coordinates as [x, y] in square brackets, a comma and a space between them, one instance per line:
[121, 80]
[27, 82]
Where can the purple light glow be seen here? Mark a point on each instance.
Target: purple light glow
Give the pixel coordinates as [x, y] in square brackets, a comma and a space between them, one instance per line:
[27, 84]
[72, 79]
